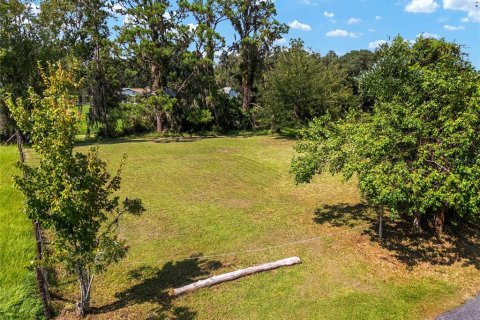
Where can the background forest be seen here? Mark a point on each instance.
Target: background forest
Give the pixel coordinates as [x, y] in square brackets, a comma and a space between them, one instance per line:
[186, 77]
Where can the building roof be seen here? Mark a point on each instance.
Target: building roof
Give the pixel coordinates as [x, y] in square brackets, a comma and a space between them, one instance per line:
[136, 90]
[145, 91]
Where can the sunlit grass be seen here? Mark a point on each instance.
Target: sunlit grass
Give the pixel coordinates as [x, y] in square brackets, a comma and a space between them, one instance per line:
[18, 299]
[210, 196]
[233, 194]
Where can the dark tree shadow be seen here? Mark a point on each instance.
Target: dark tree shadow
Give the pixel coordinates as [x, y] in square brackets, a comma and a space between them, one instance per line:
[460, 241]
[154, 284]
[343, 214]
[179, 138]
[123, 140]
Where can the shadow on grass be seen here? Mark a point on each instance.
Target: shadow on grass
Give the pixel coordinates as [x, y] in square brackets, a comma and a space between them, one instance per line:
[181, 137]
[154, 283]
[459, 243]
[178, 139]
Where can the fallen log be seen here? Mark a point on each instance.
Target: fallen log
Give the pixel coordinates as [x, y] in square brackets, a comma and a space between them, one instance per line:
[236, 274]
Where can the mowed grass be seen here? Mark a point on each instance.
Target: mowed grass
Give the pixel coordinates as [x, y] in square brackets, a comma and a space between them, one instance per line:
[18, 298]
[212, 203]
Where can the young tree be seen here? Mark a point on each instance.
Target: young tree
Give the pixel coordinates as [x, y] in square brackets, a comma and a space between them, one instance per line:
[417, 152]
[300, 87]
[257, 29]
[70, 193]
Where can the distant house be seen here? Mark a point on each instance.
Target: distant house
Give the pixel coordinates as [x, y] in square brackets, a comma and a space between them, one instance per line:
[229, 91]
[131, 92]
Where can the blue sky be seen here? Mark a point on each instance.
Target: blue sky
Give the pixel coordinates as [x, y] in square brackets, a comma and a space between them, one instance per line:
[344, 25]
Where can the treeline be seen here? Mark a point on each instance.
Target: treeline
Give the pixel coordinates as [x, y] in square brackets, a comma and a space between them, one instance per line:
[192, 78]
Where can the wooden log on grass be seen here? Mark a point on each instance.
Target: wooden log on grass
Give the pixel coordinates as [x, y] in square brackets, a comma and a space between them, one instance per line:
[236, 274]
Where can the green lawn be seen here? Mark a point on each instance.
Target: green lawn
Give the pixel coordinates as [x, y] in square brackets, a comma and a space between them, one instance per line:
[233, 194]
[18, 298]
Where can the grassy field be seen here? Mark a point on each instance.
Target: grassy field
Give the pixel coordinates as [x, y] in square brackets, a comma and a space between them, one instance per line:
[212, 202]
[17, 284]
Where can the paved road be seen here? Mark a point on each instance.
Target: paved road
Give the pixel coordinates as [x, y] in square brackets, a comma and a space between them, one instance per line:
[469, 311]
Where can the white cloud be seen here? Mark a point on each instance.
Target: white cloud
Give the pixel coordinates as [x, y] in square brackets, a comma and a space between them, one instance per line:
[371, 30]
[341, 33]
[453, 28]
[428, 35]
[308, 3]
[378, 18]
[375, 44]
[337, 33]
[354, 21]
[469, 6]
[328, 14]
[421, 6]
[299, 26]
[117, 7]
[442, 19]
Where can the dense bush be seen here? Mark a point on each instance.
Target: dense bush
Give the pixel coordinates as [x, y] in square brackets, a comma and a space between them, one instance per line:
[300, 86]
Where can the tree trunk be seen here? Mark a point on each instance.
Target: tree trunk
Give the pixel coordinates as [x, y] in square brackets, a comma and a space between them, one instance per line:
[85, 281]
[159, 117]
[439, 219]
[236, 274]
[416, 221]
[246, 95]
[40, 273]
[380, 223]
[155, 86]
[155, 78]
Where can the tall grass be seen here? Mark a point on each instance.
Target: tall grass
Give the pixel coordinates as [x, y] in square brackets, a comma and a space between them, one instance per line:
[18, 297]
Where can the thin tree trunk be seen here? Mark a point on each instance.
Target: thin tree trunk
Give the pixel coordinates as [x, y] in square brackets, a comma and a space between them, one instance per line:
[159, 116]
[85, 282]
[40, 273]
[416, 221]
[246, 95]
[155, 78]
[155, 86]
[440, 219]
[380, 223]
[212, 88]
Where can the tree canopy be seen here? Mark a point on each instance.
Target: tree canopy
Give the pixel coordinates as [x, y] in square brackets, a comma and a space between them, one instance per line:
[417, 152]
[301, 86]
